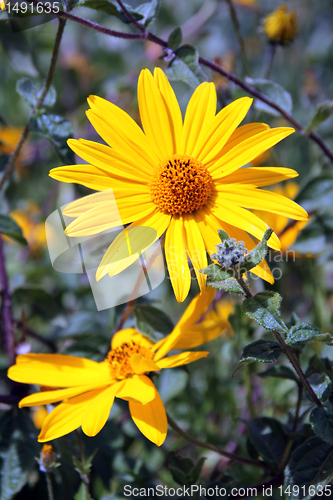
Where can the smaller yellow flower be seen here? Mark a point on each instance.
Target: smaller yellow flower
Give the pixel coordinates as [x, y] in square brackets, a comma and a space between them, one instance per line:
[39, 414]
[2, 4]
[48, 458]
[33, 232]
[87, 389]
[280, 26]
[9, 138]
[279, 223]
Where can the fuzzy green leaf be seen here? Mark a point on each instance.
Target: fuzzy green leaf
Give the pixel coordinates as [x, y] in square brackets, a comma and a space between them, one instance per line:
[256, 255]
[302, 333]
[321, 419]
[149, 319]
[185, 67]
[322, 112]
[275, 92]
[216, 272]
[57, 130]
[175, 38]
[264, 308]
[149, 11]
[28, 91]
[112, 9]
[279, 371]
[228, 285]
[9, 227]
[321, 385]
[269, 439]
[265, 351]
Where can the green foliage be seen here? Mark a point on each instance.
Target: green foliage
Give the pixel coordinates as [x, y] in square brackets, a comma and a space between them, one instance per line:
[322, 386]
[175, 38]
[275, 92]
[269, 438]
[9, 227]
[265, 351]
[57, 130]
[149, 320]
[302, 333]
[185, 66]
[29, 92]
[111, 8]
[321, 420]
[184, 471]
[279, 371]
[322, 112]
[256, 255]
[149, 11]
[264, 308]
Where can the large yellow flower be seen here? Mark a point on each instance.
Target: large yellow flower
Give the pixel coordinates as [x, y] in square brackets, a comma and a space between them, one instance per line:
[184, 179]
[87, 389]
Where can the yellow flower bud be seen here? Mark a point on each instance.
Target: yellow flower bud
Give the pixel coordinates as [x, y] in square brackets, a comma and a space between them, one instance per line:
[280, 26]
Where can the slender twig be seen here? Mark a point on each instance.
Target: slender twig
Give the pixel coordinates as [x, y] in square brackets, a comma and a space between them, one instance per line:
[31, 333]
[269, 58]
[135, 23]
[147, 35]
[285, 348]
[235, 21]
[202, 444]
[6, 307]
[38, 104]
[84, 477]
[49, 485]
[298, 408]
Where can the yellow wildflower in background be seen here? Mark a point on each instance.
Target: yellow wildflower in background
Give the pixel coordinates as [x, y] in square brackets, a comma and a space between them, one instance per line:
[2, 4]
[182, 178]
[33, 232]
[279, 223]
[87, 389]
[9, 138]
[280, 26]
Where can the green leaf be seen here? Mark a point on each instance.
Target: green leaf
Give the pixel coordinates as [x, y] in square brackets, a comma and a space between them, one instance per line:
[321, 385]
[43, 302]
[228, 285]
[112, 9]
[302, 333]
[223, 235]
[321, 420]
[256, 255]
[175, 38]
[311, 464]
[81, 494]
[149, 319]
[29, 92]
[317, 192]
[322, 112]
[265, 351]
[216, 272]
[183, 470]
[264, 308]
[9, 227]
[268, 437]
[275, 92]
[57, 130]
[149, 12]
[18, 449]
[279, 371]
[185, 67]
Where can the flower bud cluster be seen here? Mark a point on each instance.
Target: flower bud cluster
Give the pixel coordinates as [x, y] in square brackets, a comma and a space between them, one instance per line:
[230, 253]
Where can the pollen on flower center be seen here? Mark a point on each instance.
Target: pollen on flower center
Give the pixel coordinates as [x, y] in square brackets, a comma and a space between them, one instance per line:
[180, 185]
[119, 358]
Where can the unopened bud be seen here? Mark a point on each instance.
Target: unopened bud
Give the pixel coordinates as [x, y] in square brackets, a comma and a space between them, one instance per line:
[230, 253]
[280, 26]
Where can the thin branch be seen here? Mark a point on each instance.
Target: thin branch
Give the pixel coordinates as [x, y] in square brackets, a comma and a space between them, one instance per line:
[135, 23]
[31, 333]
[202, 444]
[235, 21]
[285, 348]
[6, 307]
[45, 89]
[49, 486]
[269, 59]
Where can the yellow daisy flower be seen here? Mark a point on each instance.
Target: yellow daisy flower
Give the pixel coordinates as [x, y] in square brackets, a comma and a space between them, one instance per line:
[87, 389]
[280, 26]
[179, 178]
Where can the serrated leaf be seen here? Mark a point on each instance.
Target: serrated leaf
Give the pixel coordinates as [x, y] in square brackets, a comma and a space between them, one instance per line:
[185, 67]
[302, 333]
[175, 38]
[321, 385]
[311, 464]
[264, 308]
[275, 92]
[149, 11]
[112, 9]
[149, 320]
[223, 235]
[265, 351]
[216, 272]
[321, 420]
[322, 112]
[57, 130]
[228, 285]
[279, 371]
[269, 439]
[9, 227]
[256, 255]
[29, 92]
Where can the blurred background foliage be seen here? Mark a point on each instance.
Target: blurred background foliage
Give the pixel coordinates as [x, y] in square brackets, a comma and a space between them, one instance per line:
[56, 312]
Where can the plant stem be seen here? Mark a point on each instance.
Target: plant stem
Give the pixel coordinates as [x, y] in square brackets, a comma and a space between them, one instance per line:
[269, 58]
[49, 485]
[38, 104]
[285, 348]
[84, 477]
[202, 444]
[147, 35]
[6, 307]
[135, 23]
[235, 21]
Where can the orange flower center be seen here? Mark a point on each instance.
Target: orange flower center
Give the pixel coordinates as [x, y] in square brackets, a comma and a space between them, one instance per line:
[119, 358]
[180, 185]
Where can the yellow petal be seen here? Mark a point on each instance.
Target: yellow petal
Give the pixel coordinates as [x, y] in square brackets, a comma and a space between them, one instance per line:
[66, 417]
[131, 243]
[142, 365]
[199, 115]
[258, 176]
[208, 226]
[97, 412]
[48, 397]
[176, 257]
[155, 116]
[87, 175]
[246, 151]
[58, 370]
[242, 133]
[120, 131]
[128, 335]
[151, 419]
[192, 314]
[222, 127]
[288, 237]
[175, 120]
[196, 248]
[137, 388]
[182, 359]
